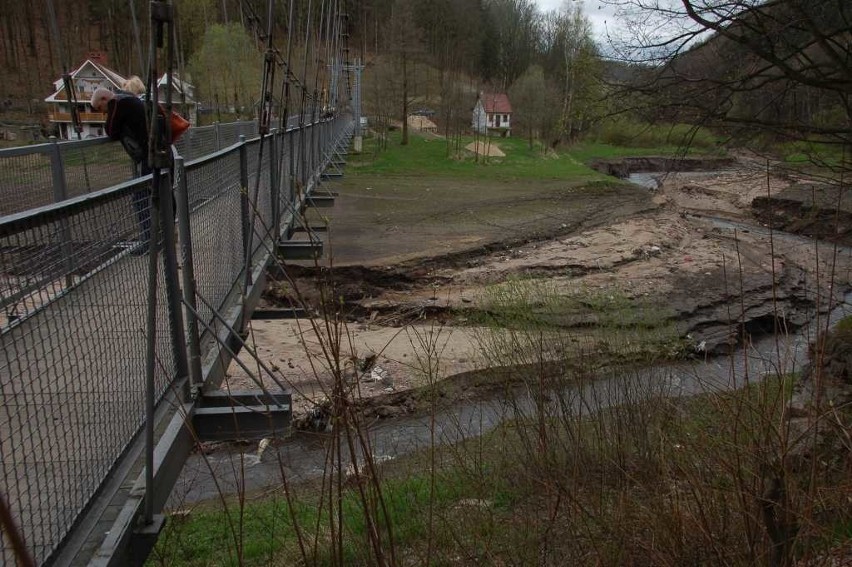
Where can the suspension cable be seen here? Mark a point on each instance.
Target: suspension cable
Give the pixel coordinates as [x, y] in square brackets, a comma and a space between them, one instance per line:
[137, 36]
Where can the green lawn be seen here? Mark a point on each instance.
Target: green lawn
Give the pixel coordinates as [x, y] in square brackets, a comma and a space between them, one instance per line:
[429, 156]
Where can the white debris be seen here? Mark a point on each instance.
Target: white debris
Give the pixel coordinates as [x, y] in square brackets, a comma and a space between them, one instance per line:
[378, 374]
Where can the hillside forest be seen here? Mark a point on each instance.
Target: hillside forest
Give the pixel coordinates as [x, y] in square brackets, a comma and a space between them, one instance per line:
[763, 73]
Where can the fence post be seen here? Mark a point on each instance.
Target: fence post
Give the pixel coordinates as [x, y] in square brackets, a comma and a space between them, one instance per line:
[188, 273]
[274, 187]
[291, 179]
[244, 209]
[57, 168]
[217, 136]
[173, 292]
[60, 193]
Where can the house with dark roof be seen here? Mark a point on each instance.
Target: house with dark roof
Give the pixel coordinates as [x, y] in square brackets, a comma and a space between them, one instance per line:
[493, 114]
[93, 73]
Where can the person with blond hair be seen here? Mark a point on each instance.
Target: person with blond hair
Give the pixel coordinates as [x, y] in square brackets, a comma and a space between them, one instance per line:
[134, 86]
[127, 122]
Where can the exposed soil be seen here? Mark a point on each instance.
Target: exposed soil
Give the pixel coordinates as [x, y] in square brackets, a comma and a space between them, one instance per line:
[412, 269]
[485, 149]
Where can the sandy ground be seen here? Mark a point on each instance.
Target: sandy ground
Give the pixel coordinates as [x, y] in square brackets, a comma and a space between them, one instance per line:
[485, 149]
[404, 357]
[670, 248]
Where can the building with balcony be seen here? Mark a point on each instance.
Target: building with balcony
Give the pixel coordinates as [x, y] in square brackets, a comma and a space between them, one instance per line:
[93, 73]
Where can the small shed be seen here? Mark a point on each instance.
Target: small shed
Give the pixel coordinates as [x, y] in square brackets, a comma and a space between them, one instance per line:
[493, 114]
[421, 124]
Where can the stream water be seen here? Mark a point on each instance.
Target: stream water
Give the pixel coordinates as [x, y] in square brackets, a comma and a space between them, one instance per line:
[303, 456]
[653, 179]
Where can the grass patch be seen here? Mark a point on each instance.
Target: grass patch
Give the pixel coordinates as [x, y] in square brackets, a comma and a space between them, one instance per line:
[813, 153]
[628, 133]
[205, 536]
[428, 156]
[615, 327]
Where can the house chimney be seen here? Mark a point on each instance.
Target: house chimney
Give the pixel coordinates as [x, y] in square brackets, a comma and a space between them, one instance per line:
[98, 56]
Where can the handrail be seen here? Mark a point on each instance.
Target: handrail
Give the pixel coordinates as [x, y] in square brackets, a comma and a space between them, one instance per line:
[47, 147]
[32, 218]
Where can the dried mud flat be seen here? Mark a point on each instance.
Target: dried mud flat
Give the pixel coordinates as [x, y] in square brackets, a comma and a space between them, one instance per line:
[693, 247]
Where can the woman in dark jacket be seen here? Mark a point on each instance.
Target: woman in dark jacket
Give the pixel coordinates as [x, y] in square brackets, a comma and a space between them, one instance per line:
[127, 122]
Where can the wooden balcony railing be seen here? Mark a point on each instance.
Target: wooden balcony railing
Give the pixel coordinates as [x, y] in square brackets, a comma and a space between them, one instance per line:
[84, 116]
[82, 96]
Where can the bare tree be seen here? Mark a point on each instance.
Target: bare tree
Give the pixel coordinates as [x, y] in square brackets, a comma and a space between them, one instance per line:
[405, 44]
[511, 40]
[570, 39]
[777, 68]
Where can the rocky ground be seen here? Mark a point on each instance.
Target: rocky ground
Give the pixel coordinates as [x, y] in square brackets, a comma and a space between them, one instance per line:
[700, 249]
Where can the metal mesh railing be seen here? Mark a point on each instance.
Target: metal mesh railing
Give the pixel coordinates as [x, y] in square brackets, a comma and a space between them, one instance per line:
[214, 190]
[39, 175]
[72, 367]
[92, 166]
[73, 292]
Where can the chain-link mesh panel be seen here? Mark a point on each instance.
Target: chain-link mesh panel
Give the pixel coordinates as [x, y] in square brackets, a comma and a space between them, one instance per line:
[26, 180]
[92, 167]
[214, 193]
[197, 142]
[259, 191]
[39, 175]
[285, 166]
[230, 133]
[72, 369]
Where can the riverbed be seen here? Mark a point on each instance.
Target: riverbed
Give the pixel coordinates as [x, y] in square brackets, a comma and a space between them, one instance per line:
[728, 282]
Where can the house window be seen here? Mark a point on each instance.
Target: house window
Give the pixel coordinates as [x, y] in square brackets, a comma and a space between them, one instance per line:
[497, 122]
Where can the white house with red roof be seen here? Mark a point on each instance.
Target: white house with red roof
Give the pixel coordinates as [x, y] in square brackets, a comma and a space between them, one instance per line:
[493, 114]
[93, 73]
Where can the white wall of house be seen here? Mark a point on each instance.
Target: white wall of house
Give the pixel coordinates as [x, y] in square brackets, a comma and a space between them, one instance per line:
[483, 121]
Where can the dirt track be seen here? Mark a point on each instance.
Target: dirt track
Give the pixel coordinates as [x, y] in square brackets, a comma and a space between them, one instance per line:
[412, 257]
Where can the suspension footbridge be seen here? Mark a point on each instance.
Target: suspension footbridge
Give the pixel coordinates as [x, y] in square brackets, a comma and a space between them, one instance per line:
[112, 353]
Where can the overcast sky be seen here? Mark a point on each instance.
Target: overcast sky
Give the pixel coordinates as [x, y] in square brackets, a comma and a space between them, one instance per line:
[601, 15]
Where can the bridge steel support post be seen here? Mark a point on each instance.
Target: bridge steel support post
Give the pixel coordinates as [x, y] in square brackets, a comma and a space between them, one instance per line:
[245, 213]
[172, 277]
[274, 184]
[60, 193]
[291, 178]
[188, 274]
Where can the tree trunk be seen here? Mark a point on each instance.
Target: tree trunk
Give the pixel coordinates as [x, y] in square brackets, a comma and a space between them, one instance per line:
[404, 99]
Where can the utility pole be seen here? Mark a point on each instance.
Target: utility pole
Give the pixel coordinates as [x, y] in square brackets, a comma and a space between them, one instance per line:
[356, 69]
